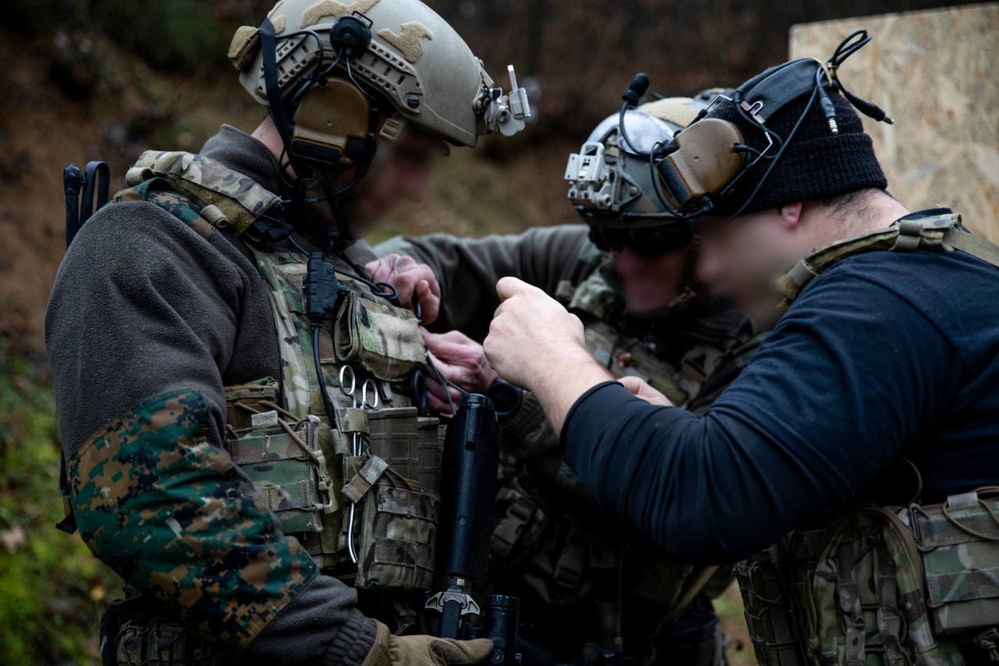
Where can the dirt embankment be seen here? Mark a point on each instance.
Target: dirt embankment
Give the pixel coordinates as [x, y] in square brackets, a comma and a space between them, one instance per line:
[75, 100]
[71, 100]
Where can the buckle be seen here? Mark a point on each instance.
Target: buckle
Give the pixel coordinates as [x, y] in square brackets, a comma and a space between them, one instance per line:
[392, 129]
[327, 497]
[988, 642]
[928, 231]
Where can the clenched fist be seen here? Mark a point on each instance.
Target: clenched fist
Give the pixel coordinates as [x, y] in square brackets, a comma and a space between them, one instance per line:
[531, 334]
[538, 345]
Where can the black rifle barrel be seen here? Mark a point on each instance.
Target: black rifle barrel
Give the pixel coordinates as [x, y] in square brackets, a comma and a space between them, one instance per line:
[468, 489]
[471, 461]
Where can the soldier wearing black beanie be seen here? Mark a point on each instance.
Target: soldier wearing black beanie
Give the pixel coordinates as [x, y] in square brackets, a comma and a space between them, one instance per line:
[881, 368]
[816, 164]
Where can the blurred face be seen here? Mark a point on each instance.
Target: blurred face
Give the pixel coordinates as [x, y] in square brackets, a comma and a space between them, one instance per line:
[651, 283]
[741, 259]
[404, 176]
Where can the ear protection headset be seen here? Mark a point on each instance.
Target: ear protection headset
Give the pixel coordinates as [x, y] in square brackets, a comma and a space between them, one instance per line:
[333, 119]
[702, 163]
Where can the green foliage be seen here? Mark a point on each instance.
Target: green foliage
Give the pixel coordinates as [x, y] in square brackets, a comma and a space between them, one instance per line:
[50, 585]
[175, 35]
[168, 34]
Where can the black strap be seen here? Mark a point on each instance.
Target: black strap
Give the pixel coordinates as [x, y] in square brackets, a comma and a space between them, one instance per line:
[268, 46]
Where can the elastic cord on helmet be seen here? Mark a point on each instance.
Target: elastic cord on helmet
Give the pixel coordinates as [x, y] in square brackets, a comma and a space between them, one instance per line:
[824, 80]
[268, 46]
[780, 153]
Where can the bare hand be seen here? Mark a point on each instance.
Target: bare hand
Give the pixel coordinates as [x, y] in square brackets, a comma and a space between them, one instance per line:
[641, 389]
[532, 334]
[414, 282]
[538, 345]
[462, 362]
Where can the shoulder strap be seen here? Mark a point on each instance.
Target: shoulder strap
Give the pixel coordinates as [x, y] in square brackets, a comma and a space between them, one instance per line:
[941, 232]
[589, 260]
[976, 246]
[594, 297]
[231, 198]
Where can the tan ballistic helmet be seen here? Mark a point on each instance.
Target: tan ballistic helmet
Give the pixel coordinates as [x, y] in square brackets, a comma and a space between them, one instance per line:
[414, 59]
[677, 111]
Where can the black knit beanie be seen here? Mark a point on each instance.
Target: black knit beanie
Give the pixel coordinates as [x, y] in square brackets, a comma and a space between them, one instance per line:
[817, 164]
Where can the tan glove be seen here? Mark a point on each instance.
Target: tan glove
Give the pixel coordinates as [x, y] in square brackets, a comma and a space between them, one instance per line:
[390, 650]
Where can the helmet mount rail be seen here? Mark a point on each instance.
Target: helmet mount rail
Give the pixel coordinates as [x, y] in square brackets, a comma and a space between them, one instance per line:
[505, 113]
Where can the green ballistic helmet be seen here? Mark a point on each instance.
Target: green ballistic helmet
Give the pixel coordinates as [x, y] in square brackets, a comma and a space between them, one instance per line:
[399, 51]
[612, 184]
[610, 176]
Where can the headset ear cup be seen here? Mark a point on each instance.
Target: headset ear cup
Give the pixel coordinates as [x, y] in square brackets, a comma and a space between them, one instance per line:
[703, 164]
[331, 124]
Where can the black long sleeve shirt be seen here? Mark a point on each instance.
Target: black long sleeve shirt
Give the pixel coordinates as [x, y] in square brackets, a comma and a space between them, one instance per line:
[883, 355]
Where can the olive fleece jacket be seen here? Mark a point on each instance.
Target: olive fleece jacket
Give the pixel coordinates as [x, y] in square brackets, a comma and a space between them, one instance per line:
[468, 268]
[143, 305]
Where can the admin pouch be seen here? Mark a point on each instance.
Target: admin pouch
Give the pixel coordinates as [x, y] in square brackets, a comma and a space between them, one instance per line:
[959, 545]
[383, 338]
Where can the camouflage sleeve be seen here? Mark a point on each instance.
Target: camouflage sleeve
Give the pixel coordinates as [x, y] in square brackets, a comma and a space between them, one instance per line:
[529, 438]
[141, 329]
[468, 268]
[171, 514]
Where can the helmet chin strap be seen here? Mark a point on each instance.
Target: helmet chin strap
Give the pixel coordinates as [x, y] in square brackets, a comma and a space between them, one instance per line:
[688, 292]
[343, 207]
[334, 221]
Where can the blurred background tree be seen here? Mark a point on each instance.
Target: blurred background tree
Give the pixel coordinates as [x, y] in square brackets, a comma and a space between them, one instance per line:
[85, 79]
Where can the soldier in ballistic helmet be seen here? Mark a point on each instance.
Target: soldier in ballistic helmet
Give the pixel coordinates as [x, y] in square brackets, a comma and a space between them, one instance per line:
[592, 591]
[225, 429]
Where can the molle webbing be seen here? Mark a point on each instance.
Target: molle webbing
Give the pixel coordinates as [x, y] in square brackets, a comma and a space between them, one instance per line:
[379, 341]
[879, 585]
[941, 232]
[395, 481]
[769, 609]
[959, 543]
